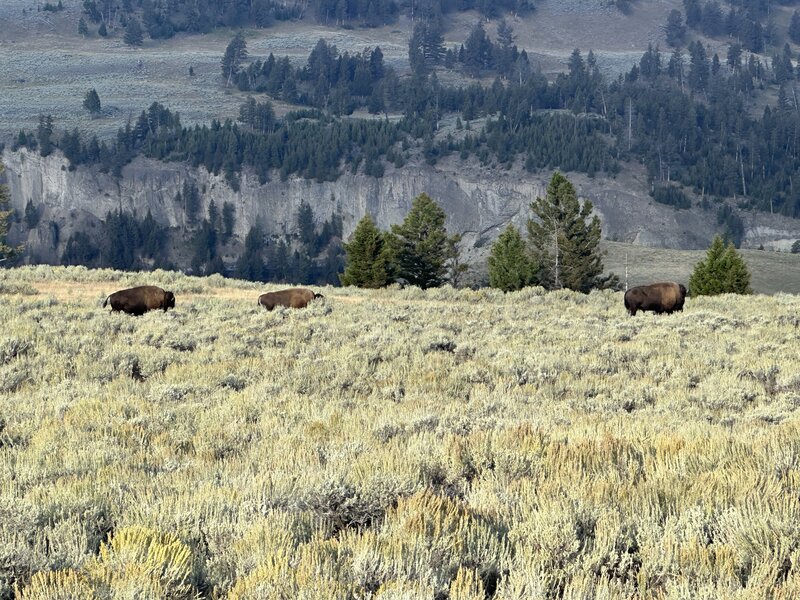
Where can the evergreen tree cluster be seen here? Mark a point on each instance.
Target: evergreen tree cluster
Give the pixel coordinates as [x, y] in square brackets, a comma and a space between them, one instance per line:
[562, 250]
[314, 255]
[122, 242]
[332, 81]
[57, 7]
[747, 21]
[690, 124]
[370, 13]
[418, 251]
[671, 195]
[306, 144]
[161, 19]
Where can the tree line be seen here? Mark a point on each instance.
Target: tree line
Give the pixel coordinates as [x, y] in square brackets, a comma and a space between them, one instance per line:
[162, 19]
[563, 249]
[124, 242]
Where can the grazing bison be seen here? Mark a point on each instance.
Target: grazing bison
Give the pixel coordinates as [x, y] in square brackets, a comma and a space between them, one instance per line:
[658, 297]
[138, 300]
[291, 298]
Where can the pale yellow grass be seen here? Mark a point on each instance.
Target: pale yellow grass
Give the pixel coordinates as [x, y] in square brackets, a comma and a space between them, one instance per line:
[394, 444]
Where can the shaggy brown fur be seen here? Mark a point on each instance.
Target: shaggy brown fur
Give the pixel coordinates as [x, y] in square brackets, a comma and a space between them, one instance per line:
[657, 297]
[138, 300]
[291, 298]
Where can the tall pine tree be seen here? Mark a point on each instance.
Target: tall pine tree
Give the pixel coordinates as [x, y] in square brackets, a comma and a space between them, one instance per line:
[134, 35]
[510, 267]
[565, 246]
[368, 260]
[235, 54]
[421, 244]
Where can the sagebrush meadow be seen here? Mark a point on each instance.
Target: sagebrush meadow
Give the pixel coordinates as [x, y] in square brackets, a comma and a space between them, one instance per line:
[394, 444]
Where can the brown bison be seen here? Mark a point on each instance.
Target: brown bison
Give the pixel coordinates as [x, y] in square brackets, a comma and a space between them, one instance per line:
[138, 300]
[291, 298]
[658, 297]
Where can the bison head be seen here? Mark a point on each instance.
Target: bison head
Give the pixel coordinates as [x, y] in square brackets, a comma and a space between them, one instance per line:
[169, 300]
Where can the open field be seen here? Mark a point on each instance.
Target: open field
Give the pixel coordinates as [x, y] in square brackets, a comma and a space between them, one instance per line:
[394, 444]
[772, 272]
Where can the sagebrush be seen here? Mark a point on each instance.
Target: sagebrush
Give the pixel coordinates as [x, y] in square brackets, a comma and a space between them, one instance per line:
[394, 444]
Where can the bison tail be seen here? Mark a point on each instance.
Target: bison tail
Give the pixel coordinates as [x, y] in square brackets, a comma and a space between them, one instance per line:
[629, 305]
[105, 302]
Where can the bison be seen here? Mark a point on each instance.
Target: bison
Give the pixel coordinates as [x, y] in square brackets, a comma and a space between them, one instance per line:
[658, 297]
[290, 298]
[138, 300]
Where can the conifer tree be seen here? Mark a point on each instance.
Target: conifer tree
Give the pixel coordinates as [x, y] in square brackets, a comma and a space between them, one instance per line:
[306, 227]
[45, 133]
[510, 267]
[6, 251]
[31, 215]
[722, 272]
[91, 101]
[420, 244]
[477, 49]
[228, 220]
[83, 29]
[367, 262]
[456, 268]
[675, 30]
[565, 246]
[235, 53]
[134, 36]
[794, 27]
[250, 264]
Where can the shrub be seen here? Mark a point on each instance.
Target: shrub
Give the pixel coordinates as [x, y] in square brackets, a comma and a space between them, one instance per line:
[510, 267]
[155, 562]
[723, 271]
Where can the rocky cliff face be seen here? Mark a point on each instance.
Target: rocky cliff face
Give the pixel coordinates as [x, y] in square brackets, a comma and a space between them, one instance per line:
[479, 203]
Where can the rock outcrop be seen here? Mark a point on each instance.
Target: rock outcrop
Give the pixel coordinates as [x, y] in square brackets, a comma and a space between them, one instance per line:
[479, 202]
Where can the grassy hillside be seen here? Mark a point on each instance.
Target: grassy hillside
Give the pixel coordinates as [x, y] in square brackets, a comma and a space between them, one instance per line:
[394, 444]
[47, 67]
[772, 272]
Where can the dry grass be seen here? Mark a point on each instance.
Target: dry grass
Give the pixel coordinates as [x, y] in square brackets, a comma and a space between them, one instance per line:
[394, 444]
